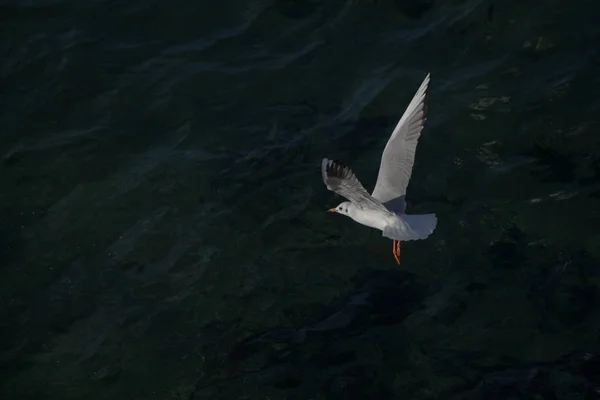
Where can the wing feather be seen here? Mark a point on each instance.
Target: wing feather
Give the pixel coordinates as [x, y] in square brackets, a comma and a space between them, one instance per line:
[340, 179]
[398, 156]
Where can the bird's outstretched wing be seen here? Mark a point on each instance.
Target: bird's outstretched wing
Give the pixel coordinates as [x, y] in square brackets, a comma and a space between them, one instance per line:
[399, 154]
[341, 180]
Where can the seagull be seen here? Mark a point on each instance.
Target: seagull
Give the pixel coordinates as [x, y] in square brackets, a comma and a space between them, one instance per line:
[385, 208]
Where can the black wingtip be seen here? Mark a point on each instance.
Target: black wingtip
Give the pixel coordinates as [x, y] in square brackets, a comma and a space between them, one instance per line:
[337, 169]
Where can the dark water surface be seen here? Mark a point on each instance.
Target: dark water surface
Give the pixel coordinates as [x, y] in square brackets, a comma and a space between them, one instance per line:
[163, 232]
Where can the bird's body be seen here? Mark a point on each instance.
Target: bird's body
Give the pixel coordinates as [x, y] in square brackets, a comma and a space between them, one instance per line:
[372, 218]
[384, 209]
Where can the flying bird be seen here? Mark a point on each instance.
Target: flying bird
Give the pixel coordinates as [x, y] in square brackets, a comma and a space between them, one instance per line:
[385, 208]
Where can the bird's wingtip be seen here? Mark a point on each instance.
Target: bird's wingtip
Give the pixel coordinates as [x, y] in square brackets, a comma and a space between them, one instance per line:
[324, 163]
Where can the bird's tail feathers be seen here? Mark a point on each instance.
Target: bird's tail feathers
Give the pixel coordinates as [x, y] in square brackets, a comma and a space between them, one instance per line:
[411, 227]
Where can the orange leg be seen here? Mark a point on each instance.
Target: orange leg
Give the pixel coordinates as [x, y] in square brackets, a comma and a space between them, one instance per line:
[396, 250]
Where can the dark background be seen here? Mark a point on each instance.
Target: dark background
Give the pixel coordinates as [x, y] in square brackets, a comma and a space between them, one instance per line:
[163, 232]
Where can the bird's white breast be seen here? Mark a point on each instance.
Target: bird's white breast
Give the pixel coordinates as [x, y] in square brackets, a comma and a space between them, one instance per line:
[372, 218]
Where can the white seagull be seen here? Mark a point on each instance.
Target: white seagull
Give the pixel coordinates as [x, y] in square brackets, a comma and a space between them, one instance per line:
[384, 209]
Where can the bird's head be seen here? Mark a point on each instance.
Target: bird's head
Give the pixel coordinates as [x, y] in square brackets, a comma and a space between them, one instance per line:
[342, 208]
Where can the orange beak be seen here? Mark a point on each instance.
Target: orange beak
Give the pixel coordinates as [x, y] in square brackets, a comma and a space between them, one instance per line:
[332, 210]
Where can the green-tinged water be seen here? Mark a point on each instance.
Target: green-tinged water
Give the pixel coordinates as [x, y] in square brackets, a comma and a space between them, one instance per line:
[163, 224]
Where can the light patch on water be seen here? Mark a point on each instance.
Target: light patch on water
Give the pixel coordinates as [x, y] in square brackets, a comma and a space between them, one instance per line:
[486, 102]
[562, 195]
[539, 44]
[487, 156]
